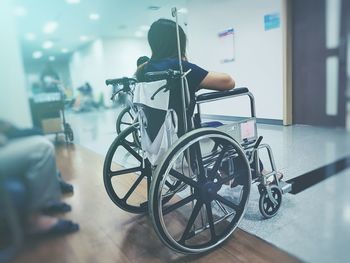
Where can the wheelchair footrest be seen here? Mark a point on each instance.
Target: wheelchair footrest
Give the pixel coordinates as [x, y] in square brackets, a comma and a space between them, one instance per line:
[285, 187]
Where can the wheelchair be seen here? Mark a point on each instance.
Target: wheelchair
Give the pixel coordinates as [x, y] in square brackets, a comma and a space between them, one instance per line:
[198, 190]
[124, 86]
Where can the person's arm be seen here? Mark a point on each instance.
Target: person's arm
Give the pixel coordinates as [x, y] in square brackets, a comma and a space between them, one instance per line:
[217, 81]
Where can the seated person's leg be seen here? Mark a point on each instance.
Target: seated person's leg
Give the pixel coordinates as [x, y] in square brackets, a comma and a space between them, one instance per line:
[33, 160]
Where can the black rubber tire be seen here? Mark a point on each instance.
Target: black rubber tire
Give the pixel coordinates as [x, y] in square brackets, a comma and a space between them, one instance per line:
[266, 207]
[156, 207]
[68, 133]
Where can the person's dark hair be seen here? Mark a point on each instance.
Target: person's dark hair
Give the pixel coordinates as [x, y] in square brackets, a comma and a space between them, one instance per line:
[162, 39]
[142, 60]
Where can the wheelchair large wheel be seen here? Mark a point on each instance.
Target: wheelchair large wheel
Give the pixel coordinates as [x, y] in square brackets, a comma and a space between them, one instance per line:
[127, 185]
[218, 182]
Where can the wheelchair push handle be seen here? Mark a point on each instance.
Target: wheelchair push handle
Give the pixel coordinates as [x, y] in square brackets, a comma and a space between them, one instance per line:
[125, 82]
[121, 81]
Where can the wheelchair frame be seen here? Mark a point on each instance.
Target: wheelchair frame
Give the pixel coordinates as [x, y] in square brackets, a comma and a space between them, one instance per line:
[198, 183]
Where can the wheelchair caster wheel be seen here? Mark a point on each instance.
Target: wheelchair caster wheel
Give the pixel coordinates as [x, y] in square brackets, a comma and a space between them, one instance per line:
[68, 133]
[269, 207]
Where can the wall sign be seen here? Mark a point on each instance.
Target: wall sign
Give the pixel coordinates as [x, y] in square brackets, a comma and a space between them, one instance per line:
[272, 21]
[226, 45]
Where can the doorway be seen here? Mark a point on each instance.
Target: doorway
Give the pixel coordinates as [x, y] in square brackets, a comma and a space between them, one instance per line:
[320, 31]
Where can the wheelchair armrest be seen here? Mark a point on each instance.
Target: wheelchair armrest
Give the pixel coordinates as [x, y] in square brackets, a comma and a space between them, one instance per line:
[221, 94]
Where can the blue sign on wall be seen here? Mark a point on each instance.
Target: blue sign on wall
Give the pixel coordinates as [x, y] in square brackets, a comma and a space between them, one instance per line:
[272, 21]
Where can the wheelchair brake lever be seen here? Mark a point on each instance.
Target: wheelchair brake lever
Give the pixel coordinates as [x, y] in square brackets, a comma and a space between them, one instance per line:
[257, 143]
[255, 147]
[115, 94]
[159, 90]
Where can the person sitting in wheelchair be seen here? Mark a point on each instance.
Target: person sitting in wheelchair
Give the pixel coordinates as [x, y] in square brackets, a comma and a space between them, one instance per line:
[163, 44]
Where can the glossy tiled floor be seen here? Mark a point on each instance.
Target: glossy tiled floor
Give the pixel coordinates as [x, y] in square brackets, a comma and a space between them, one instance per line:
[314, 225]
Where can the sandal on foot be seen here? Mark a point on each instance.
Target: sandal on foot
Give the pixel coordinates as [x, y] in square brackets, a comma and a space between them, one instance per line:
[66, 188]
[60, 228]
[57, 208]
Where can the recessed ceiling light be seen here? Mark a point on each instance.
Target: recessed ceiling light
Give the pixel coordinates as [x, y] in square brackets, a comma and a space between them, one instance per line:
[20, 11]
[50, 27]
[64, 50]
[30, 36]
[153, 7]
[84, 38]
[144, 27]
[94, 16]
[52, 58]
[72, 2]
[47, 44]
[37, 54]
[139, 34]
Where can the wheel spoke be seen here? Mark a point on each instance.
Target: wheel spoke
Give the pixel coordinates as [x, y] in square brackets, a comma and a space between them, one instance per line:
[149, 181]
[133, 187]
[132, 117]
[198, 154]
[132, 151]
[195, 212]
[183, 178]
[125, 171]
[226, 202]
[144, 204]
[168, 184]
[125, 123]
[172, 189]
[211, 220]
[179, 204]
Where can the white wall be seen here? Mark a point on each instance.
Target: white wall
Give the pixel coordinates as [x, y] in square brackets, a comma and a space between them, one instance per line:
[259, 56]
[86, 65]
[106, 58]
[120, 55]
[14, 104]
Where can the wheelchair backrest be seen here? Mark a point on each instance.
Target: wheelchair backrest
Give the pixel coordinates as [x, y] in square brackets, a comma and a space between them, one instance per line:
[158, 122]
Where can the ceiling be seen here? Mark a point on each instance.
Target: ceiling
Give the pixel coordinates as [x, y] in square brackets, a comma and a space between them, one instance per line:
[117, 18]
